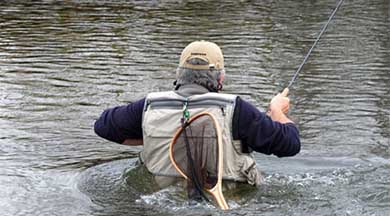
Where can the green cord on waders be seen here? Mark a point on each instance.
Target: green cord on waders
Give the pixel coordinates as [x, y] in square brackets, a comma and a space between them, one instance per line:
[315, 43]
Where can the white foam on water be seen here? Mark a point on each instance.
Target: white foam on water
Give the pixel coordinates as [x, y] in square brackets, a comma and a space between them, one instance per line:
[174, 199]
[337, 176]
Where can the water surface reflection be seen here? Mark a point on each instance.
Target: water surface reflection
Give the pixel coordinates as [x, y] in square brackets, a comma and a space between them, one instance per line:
[62, 63]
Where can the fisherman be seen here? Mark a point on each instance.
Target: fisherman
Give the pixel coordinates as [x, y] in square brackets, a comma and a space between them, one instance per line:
[200, 75]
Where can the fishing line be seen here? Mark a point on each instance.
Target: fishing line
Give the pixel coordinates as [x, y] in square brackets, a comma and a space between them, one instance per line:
[315, 43]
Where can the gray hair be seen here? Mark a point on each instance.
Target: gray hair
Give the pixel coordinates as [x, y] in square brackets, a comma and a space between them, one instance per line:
[206, 78]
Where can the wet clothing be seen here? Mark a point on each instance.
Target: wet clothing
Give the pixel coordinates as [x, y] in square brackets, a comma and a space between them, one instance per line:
[253, 128]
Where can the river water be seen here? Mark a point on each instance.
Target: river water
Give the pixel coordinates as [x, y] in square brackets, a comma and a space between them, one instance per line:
[63, 63]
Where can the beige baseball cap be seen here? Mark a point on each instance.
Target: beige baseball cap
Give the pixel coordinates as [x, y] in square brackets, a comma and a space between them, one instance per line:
[207, 51]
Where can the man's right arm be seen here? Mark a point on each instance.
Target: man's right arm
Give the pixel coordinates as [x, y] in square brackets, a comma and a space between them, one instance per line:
[122, 124]
[260, 132]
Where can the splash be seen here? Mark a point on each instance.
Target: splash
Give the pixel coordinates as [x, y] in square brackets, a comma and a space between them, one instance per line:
[175, 199]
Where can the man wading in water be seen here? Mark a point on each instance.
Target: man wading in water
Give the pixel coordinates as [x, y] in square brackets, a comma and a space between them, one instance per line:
[245, 129]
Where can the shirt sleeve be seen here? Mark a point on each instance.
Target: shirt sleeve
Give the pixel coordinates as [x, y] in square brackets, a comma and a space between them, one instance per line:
[259, 132]
[120, 123]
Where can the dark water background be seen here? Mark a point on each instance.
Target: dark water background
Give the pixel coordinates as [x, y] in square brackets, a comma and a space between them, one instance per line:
[63, 62]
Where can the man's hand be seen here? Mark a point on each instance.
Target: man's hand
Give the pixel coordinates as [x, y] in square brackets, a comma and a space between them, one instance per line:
[279, 106]
[281, 102]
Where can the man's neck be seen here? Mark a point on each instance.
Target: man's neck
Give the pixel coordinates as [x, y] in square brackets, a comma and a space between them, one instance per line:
[191, 89]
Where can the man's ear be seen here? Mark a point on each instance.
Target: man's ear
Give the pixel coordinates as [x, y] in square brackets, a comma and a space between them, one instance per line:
[220, 81]
[221, 78]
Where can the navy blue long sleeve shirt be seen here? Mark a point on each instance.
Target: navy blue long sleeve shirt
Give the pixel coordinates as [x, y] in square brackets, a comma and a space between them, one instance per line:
[255, 129]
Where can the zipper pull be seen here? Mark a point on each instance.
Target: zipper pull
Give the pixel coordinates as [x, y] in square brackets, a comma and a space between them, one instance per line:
[223, 111]
[186, 113]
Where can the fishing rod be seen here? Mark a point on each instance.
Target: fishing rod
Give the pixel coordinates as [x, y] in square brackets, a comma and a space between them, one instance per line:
[315, 43]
